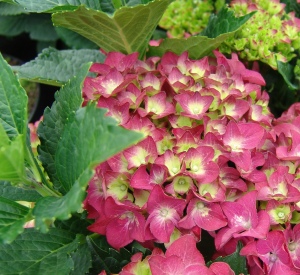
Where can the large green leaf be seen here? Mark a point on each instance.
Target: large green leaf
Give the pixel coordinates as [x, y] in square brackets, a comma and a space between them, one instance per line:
[8, 9]
[56, 67]
[13, 102]
[13, 216]
[220, 27]
[7, 190]
[97, 138]
[108, 6]
[128, 30]
[82, 259]
[36, 253]
[67, 101]
[74, 40]
[50, 5]
[39, 26]
[87, 139]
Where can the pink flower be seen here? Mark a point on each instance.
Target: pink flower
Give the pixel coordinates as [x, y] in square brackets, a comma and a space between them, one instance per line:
[273, 252]
[194, 105]
[208, 216]
[164, 214]
[182, 257]
[121, 223]
[243, 220]
[200, 165]
[292, 239]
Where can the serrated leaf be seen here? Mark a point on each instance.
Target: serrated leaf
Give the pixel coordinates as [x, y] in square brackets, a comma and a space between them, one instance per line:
[56, 67]
[224, 22]
[128, 30]
[87, 139]
[67, 101]
[236, 262]
[14, 193]
[74, 40]
[98, 258]
[13, 102]
[36, 253]
[13, 216]
[48, 209]
[204, 44]
[82, 259]
[105, 257]
[286, 70]
[97, 138]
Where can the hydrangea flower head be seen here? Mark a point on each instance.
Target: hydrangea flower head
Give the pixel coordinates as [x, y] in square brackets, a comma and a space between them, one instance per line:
[186, 17]
[201, 149]
[270, 34]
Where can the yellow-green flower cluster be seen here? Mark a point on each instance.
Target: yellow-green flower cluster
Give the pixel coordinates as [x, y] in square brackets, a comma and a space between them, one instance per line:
[269, 35]
[188, 17]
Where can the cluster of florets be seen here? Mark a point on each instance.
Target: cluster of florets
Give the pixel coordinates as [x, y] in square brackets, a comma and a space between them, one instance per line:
[213, 159]
[270, 34]
[188, 17]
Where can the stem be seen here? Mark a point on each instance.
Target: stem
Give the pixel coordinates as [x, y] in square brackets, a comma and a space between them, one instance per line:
[39, 181]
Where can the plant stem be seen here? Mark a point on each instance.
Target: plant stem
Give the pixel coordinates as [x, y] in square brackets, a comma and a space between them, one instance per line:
[39, 180]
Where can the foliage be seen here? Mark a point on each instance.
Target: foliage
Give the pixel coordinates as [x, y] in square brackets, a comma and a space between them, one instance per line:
[156, 136]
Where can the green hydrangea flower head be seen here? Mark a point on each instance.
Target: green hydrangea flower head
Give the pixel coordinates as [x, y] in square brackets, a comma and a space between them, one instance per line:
[188, 17]
[268, 35]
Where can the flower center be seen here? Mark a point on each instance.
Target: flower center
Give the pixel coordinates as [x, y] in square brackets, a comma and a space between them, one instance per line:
[196, 110]
[281, 215]
[164, 212]
[292, 246]
[123, 187]
[200, 205]
[181, 182]
[273, 257]
[195, 167]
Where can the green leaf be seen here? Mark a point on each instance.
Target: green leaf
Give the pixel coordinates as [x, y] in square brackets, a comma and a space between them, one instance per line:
[128, 30]
[224, 22]
[77, 224]
[221, 27]
[82, 259]
[108, 6]
[108, 259]
[67, 101]
[104, 257]
[97, 138]
[9, 9]
[13, 102]
[13, 216]
[56, 67]
[74, 40]
[11, 157]
[56, 5]
[287, 72]
[237, 262]
[39, 26]
[36, 253]
[88, 139]
[14, 193]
